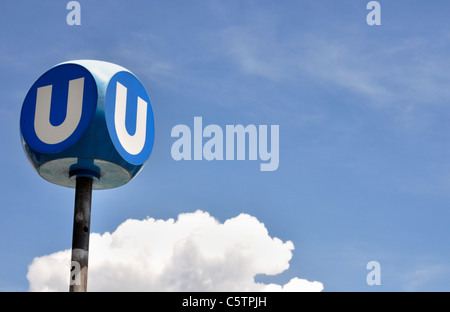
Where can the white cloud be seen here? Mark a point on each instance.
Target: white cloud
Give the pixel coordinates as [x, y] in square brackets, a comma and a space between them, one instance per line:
[193, 253]
[296, 285]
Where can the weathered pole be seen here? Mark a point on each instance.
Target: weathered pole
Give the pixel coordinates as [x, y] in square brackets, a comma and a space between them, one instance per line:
[81, 230]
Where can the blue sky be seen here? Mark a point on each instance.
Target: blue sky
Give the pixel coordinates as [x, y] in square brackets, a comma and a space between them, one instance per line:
[363, 112]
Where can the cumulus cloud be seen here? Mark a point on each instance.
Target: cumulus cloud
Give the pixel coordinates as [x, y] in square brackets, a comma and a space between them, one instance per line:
[193, 253]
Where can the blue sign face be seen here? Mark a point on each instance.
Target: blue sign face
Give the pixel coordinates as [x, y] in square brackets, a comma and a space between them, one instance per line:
[87, 118]
[129, 118]
[58, 108]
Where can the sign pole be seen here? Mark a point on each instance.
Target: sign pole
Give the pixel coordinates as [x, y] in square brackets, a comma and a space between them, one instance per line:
[81, 230]
[91, 148]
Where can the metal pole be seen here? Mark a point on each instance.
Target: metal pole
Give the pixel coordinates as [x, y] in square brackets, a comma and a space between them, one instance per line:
[81, 230]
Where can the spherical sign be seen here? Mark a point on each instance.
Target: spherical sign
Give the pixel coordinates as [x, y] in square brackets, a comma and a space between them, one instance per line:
[87, 118]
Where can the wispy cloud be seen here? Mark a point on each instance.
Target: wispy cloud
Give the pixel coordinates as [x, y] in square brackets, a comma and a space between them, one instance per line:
[425, 277]
[140, 51]
[384, 73]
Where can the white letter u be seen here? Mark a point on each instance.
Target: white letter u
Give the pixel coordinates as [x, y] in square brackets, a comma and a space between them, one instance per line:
[45, 131]
[133, 144]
